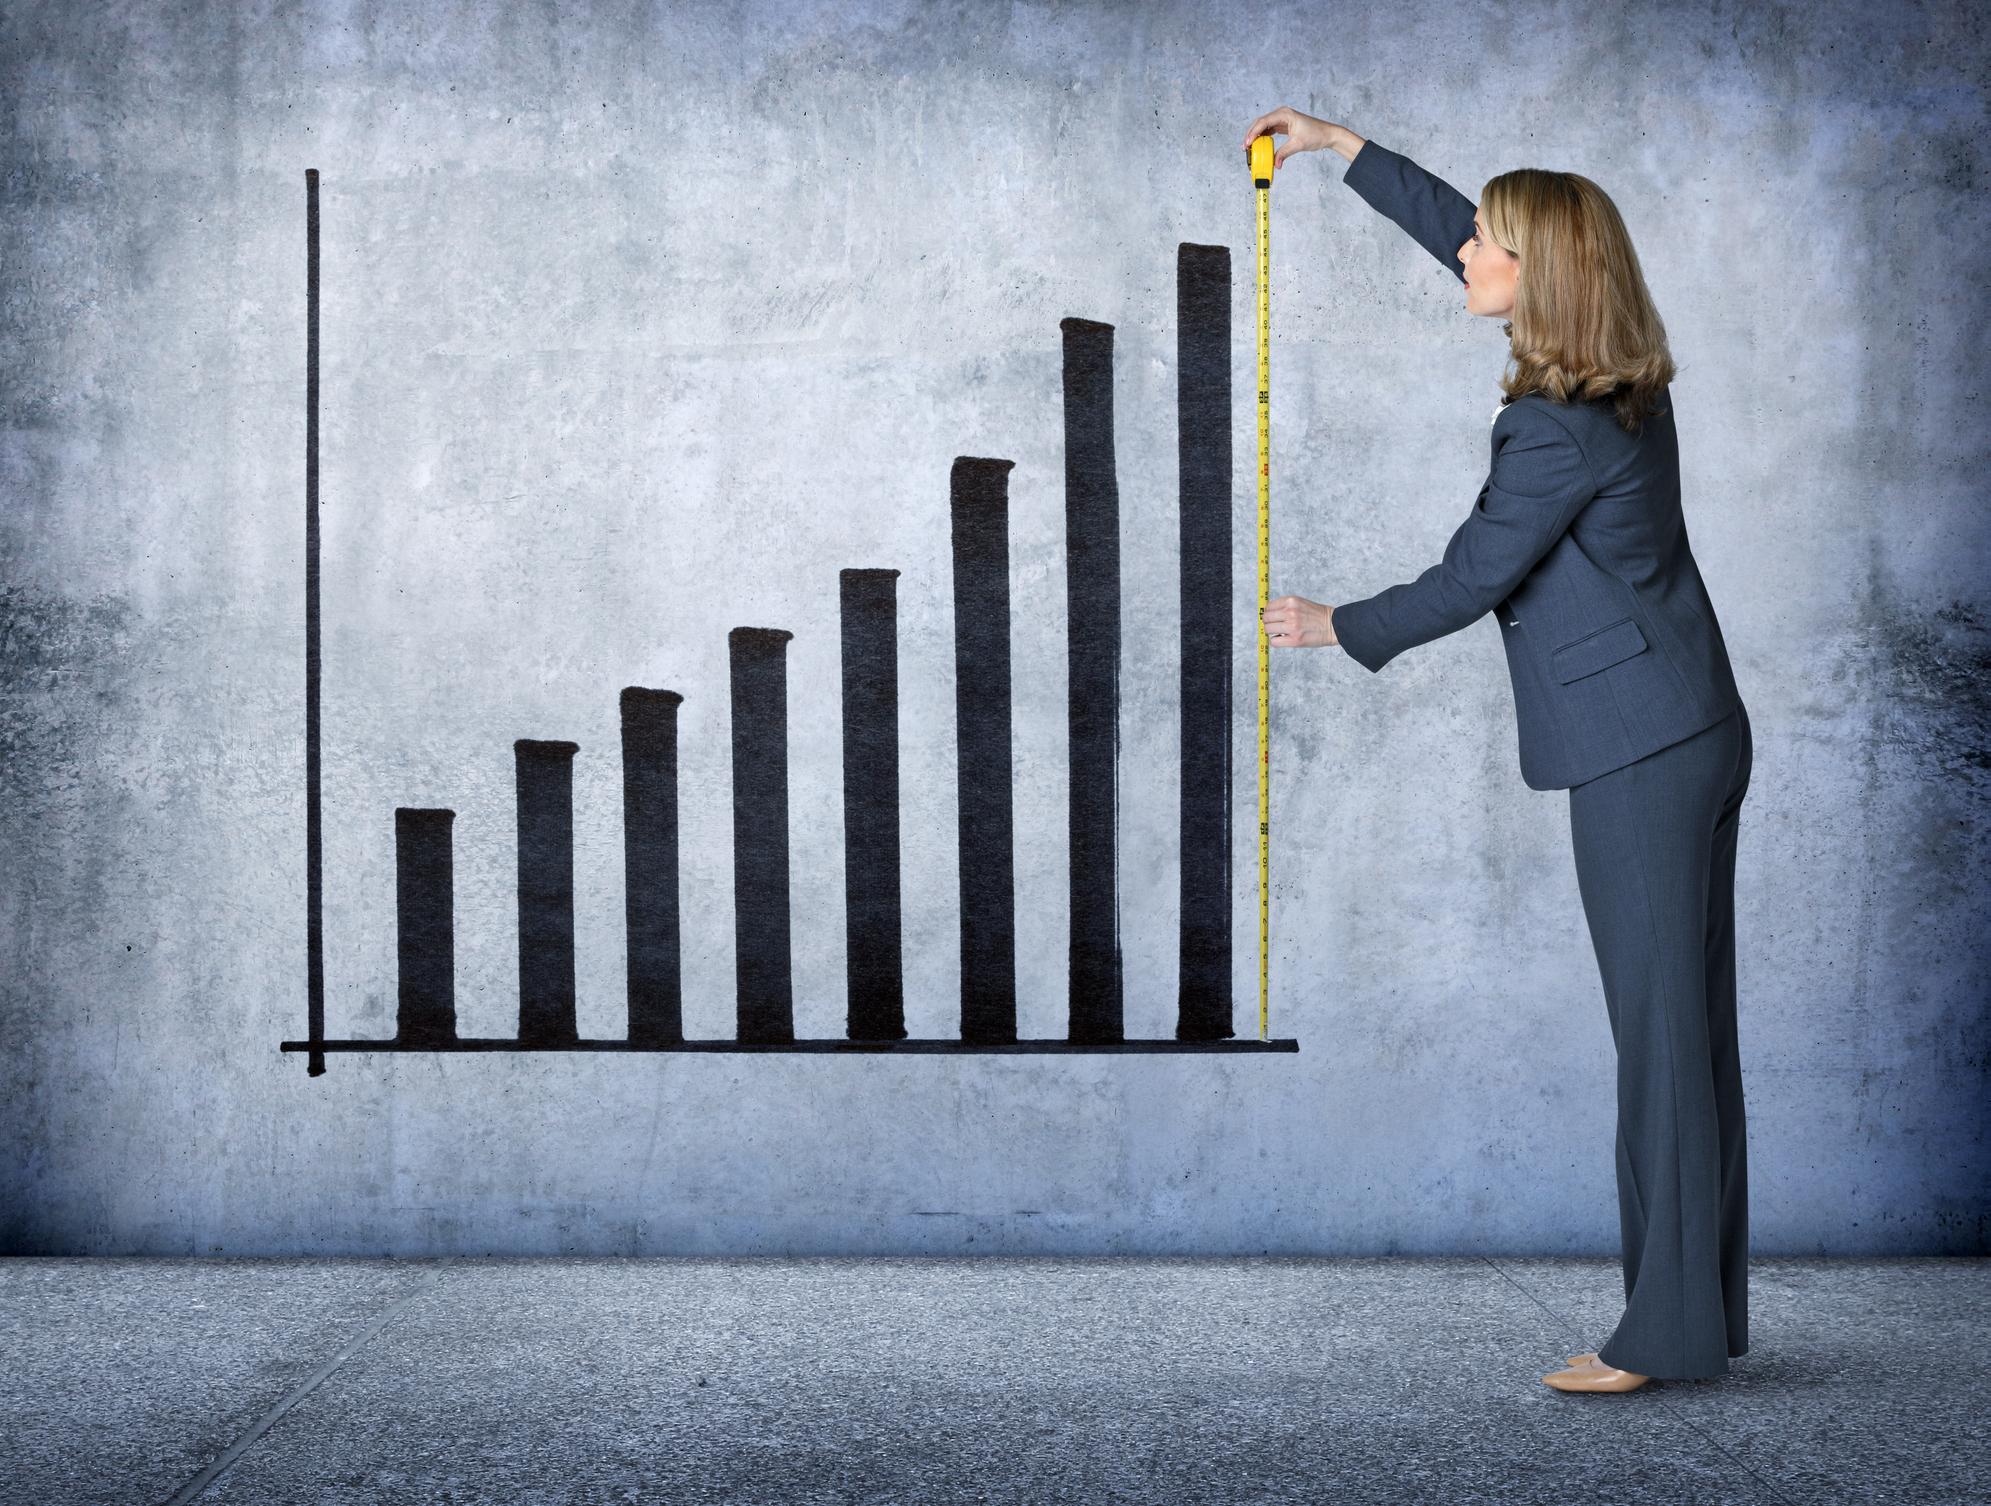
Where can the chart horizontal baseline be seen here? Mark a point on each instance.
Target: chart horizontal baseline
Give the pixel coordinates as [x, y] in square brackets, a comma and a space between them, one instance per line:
[828, 1048]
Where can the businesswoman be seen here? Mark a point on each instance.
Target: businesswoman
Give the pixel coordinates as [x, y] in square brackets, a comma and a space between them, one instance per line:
[1623, 696]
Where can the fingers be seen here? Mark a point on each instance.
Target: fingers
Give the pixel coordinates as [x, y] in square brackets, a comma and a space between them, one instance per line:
[1261, 125]
[1275, 124]
[1295, 622]
[1303, 133]
[1300, 137]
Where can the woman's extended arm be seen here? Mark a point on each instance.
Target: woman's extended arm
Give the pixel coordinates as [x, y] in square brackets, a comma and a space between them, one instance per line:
[1427, 208]
[1540, 482]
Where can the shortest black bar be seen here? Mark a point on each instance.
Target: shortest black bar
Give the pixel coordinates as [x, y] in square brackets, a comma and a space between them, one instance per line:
[425, 914]
[843, 1047]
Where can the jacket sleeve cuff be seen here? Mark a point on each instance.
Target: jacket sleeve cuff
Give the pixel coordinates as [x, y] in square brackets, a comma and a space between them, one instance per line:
[1355, 632]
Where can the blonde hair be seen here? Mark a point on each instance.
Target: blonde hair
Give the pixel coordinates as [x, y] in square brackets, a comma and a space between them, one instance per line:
[1583, 326]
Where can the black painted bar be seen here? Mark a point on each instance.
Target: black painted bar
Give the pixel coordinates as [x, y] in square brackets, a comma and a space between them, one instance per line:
[980, 516]
[1092, 585]
[545, 892]
[314, 793]
[874, 968]
[1203, 443]
[765, 992]
[650, 862]
[425, 926]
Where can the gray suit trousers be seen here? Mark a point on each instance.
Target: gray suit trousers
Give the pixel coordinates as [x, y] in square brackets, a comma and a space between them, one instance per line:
[1655, 860]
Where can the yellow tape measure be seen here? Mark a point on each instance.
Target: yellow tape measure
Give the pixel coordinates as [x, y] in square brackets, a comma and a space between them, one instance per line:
[1261, 176]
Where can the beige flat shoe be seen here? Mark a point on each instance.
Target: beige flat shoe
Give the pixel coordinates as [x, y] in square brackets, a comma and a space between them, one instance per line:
[1594, 1377]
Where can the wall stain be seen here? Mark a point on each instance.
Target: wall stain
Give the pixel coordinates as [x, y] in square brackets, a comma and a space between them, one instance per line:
[1936, 682]
[53, 687]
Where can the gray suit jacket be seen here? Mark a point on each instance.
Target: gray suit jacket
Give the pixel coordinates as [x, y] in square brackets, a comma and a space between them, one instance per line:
[1578, 547]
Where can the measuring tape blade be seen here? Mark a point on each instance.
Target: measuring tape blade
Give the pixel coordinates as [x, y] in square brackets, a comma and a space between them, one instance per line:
[1261, 173]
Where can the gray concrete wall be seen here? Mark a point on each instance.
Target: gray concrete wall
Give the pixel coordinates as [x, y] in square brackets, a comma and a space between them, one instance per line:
[640, 322]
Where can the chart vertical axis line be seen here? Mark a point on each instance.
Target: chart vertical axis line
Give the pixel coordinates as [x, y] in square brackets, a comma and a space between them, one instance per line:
[314, 823]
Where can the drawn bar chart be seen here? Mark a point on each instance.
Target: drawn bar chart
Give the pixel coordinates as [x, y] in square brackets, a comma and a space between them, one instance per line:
[978, 520]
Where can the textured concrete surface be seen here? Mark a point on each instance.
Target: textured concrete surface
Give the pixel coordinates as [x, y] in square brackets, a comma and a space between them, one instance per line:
[642, 321]
[1024, 1380]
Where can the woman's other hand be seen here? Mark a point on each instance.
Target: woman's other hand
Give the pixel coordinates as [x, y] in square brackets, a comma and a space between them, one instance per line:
[1303, 134]
[1295, 622]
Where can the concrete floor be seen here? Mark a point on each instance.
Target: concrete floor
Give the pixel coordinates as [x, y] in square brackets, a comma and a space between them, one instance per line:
[845, 1381]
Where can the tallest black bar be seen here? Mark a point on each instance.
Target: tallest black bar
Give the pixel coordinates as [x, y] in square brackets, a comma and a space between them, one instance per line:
[1203, 440]
[980, 513]
[1092, 583]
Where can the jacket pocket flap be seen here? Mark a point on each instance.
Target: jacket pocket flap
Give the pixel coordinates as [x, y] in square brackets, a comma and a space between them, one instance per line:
[1603, 648]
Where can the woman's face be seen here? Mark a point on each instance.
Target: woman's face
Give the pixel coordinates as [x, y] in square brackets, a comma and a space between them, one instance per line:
[1491, 274]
